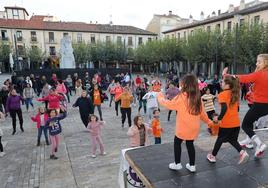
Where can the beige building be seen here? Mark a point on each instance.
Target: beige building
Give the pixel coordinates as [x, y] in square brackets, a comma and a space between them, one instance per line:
[161, 23]
[253, 12]
[46, 32]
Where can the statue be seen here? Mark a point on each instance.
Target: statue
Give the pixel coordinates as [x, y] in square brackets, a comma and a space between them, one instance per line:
[66, 51]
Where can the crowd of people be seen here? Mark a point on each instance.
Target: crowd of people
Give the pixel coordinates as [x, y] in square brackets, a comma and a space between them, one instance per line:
[192, 99]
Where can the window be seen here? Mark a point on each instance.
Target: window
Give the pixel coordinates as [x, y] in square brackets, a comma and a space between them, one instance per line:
[65, 34]
[149, 39]
[34, 47]
[4, 35]
[218, 26]
[192, 32]
[140, 41]
[33, 36]
[108, 38]
[92, 39]
[179, 36]
[184, 34]
[51, 37]
[208, 28]
[79, 37]
[242, 21]
[129, 41]
[256, 19]
[15, 14]
[229, 26]
[21, 50]
[119, 40]
[19, 35]
[52, 50]
[173, 36]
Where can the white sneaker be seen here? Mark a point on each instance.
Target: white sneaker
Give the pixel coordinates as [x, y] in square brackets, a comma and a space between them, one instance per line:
[246, 143]
[211, 158]
[260, 150]
[2, 154]
[190, 168]
[93, 156]
[243, 157]
[174, 166]
[104, 153]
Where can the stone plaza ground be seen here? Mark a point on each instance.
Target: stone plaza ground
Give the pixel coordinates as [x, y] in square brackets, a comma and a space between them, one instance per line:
[26, 165]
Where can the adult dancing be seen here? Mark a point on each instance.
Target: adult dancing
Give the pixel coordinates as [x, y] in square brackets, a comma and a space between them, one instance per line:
[85, 107]
[259, 79]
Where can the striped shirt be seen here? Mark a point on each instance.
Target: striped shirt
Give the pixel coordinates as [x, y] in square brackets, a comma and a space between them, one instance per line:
[208, 102]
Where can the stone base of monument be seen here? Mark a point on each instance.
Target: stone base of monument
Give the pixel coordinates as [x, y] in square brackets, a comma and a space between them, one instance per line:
[151, 165]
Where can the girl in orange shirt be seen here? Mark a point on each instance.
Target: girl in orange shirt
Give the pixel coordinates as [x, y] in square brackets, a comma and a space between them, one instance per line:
[96, 96]
[229, 119]
[190, 110]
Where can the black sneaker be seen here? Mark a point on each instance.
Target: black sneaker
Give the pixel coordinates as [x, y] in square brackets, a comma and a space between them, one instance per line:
[53, 157]
[38, 144]
[47, 142]
[13, 132]
[22, 130]
[56, 149]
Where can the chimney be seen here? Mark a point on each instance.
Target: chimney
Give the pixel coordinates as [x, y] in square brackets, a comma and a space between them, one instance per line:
[242, 5]
[96, 22]
[191, 19]
[170, 13]
[231, 8]
[213, 14]
[219, 12]
[202, 15]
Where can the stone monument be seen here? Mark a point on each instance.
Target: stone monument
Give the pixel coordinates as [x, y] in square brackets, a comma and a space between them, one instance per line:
[66, 51]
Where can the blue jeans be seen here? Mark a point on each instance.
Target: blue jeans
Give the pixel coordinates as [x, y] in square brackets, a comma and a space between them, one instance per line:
[29, 101]
[157, 140]
[40, 130]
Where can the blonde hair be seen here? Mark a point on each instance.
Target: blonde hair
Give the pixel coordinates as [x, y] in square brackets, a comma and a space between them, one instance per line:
[265, 59]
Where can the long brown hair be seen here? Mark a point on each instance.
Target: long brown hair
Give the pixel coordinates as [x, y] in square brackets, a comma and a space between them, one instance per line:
[190, 87]
[234, 87]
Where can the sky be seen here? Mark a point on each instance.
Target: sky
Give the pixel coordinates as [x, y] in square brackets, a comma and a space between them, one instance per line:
[137, 13]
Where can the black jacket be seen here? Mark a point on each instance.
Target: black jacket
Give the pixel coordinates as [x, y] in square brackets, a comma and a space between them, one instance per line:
[85, 105]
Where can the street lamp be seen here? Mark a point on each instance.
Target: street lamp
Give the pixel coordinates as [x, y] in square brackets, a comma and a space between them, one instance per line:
[237, 19]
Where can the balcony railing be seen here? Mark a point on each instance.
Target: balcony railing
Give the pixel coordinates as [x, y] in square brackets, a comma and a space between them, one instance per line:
[4, 38]
[33, 39]
[51, 41]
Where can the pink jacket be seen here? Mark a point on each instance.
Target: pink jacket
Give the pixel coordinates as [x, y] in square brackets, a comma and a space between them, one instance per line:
[53, 101]
[134, 136]
[95, 128]
[61, 88]
[37, 119]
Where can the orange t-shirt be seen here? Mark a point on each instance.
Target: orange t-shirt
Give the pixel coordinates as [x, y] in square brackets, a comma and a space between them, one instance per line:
[187, 125]
[97, 97]
[155, 127]
[231, 117]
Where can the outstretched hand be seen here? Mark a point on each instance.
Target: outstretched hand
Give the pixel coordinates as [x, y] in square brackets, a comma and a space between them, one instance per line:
[225, 71]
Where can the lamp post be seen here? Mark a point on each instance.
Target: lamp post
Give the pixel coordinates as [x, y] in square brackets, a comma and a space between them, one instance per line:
[238, 17]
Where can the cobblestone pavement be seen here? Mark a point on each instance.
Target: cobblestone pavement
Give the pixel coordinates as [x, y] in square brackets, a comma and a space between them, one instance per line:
[26, 165]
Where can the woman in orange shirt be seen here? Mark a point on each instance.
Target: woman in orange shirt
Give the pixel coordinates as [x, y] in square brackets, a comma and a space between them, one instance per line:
[96, 96]
[259, 79]
[229, 119]
[190, 110]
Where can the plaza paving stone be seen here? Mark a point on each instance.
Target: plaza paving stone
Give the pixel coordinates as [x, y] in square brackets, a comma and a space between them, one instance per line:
[26, 165]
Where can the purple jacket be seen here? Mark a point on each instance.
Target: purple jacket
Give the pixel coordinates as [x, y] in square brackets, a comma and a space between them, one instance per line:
[13, 102]
[172, 92]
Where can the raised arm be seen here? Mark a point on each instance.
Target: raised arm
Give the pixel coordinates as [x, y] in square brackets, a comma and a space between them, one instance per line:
[169, 104]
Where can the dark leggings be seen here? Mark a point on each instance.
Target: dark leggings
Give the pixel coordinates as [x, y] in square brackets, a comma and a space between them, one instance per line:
[256, 111]
[84, 118]
[1, 146]
[227, 135]
[116, 107]
[13, 116]
[190, 149]
[126, 112]
[169, 113]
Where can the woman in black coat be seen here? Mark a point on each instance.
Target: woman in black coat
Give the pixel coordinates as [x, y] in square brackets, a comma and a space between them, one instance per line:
[85, 107]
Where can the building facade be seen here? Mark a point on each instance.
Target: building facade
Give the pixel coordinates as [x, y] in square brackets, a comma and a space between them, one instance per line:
[46, 32]
[252, 13]
[162, 23]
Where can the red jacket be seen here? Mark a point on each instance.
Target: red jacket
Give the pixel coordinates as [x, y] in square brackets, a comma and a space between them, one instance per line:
[53, 101]
[260, 87]
[37, 119]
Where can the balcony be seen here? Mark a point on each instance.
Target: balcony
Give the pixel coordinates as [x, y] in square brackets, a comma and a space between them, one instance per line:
[19, 39]
[51, 41]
